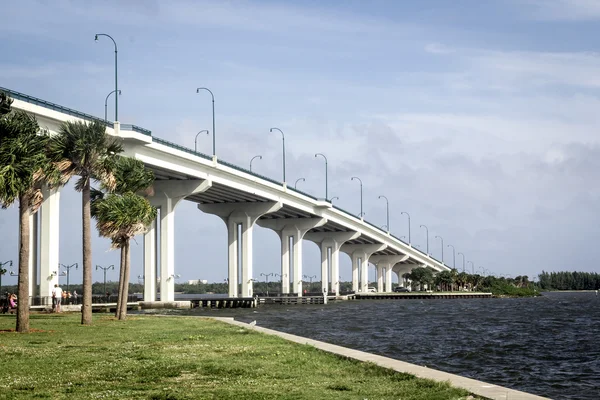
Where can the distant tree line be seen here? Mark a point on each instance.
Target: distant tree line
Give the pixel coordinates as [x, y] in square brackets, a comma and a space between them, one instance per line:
[569, 280]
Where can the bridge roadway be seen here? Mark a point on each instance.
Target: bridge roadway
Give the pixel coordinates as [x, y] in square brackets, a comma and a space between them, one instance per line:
[241, 199]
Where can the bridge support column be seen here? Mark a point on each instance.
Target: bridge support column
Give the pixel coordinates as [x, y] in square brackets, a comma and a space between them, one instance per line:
[386, 262]
[330, 243]
[291, 231]
[239, 219]
[380, 270]
[49, 243]
[150, 263]
[360, 254]
[401, 269]
[167, 194]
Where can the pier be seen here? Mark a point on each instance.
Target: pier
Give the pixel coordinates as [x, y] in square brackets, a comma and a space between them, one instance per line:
[421, 295]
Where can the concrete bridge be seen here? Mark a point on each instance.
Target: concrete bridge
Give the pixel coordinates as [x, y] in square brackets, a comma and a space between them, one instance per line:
[241, 199]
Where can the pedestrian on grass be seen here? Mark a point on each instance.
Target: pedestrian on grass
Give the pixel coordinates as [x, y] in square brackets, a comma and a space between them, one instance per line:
[57, 293]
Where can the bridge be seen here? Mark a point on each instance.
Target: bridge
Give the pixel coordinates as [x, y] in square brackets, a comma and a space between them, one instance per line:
[241, 198]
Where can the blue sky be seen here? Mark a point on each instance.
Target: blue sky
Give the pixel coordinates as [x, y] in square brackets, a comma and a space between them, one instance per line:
[478, 118]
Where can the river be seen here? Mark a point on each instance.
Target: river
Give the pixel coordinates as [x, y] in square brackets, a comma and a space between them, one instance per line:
[547, 345]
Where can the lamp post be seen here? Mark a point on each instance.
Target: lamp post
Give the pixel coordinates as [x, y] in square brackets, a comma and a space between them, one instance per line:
[252, 159]
[196, 139]
[116, 84]
[472, 267]
[106, 104]
[453, 256]
[325, 158]
[482, 270]
[283, 141]
[408, 215]
[3, 271]
[462, 254]
[442, 239]
[267, 280]
[333, 198]
[68, 268]
[213, 113]
[387, 211]
[298, 180]
[105, 269]
[361, 195]
[310, 278]
[427, 236]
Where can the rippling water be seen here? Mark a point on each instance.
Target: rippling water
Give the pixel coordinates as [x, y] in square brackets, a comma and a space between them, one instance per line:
[547, 345]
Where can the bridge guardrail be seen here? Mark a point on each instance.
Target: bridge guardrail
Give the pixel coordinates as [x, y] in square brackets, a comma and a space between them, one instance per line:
[135, 128]
[53, 106]
[179, 147]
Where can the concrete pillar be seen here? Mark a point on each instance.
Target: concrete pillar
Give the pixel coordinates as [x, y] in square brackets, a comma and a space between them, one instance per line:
[167, 194]
[361, 253]
[330, 243]
[387, 262]
[49, 242]
[239, 219]
[400, 269]
[150, 263]
[388, 280]
[292, 230]
[380, 270]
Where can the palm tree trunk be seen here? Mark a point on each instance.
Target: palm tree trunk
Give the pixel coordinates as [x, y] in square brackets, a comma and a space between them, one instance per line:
[121, 280]
[86, 305]
[23, 290]
[125, 281]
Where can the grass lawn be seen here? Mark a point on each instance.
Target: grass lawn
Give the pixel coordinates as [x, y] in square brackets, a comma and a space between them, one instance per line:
[149, 357]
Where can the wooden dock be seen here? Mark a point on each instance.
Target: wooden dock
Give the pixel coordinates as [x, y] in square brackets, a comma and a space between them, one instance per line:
[421, 295]
[224, 302]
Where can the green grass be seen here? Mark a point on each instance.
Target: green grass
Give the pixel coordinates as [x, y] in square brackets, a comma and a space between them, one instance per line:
[168, 358]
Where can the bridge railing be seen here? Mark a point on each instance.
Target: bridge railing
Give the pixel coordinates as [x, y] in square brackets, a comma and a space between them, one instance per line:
[182, 148]
[247, 171]
[34, 100]
[135, 128]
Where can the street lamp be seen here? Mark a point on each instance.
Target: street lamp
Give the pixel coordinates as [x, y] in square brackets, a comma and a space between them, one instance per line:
[213, 113]
[453, 256]
[408, 215]
[310, 278]
[105, 269]
[461, 254]
[298, 180]
[106, 104]
[472, 267]
[442, 239]
[116, 85]
[333, 198]
[387, 211]
[427, 235]
[325, 158]
[3, 271]
[68, 268]
[196, 139]
[173, 276]
[361, 195]
[252, 159]
[283, 141]
[267, 280]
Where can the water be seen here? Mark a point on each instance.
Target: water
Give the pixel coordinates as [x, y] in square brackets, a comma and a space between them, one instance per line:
[547, 345]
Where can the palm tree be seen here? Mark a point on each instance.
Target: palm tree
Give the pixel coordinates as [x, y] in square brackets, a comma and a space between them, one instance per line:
[123, 214]
[24, 167]
[88, 151]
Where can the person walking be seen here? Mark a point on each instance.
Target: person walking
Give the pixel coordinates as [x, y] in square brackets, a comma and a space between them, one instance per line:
[57, 294]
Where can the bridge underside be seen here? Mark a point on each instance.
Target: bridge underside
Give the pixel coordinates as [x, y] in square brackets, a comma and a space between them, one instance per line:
[221, 194]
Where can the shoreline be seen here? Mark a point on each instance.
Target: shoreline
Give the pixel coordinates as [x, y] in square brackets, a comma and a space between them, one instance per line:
[479, 388]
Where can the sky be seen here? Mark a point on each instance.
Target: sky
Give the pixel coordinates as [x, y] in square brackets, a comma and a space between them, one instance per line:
[479, 119]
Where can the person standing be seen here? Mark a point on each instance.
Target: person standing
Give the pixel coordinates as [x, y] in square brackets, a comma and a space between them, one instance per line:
[75, 296]
[57, 294]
